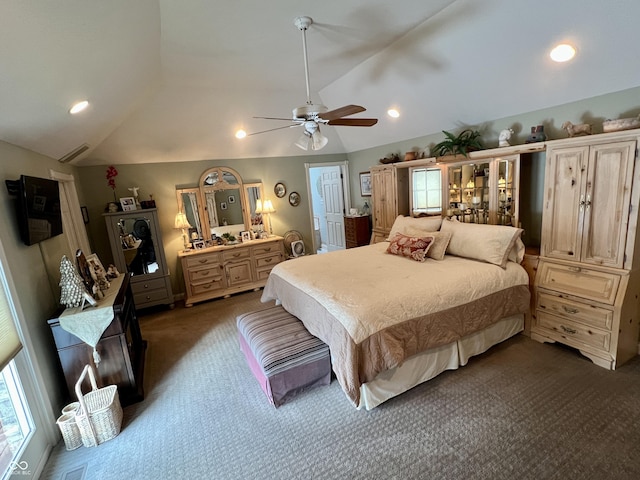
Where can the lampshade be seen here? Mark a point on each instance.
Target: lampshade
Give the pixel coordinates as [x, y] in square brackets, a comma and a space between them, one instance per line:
[311, 138]
[259, 206]
[181, 221]
[267, 207]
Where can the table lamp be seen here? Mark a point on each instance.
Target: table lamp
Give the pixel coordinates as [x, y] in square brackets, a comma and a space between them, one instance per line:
[182, 223]
[267, 207]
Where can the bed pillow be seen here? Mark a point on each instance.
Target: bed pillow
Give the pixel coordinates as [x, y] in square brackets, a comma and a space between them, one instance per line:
[415, 248]
[439, 245]
[425, 224]
[487, 243]
[517, 252]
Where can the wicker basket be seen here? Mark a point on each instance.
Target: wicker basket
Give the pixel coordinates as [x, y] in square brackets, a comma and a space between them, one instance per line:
[99, 417]
[70, 431]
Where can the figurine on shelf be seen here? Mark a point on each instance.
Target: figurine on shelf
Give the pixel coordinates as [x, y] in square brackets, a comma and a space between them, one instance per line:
[505, 135]
[112, 272]
[537, 134]
[576, 130]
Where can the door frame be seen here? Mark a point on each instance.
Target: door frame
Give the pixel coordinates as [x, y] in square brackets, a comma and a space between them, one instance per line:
[346, 192]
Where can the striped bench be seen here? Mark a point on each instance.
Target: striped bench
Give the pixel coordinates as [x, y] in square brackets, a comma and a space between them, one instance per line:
[283, 356]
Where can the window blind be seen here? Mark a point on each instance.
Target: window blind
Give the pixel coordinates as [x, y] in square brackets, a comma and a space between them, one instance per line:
[10, 343]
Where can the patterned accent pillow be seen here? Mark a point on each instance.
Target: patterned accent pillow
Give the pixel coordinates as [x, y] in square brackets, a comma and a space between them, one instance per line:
[415, 248]
[439, 245]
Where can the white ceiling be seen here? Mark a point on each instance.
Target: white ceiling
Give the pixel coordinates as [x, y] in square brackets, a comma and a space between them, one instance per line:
[172, 80]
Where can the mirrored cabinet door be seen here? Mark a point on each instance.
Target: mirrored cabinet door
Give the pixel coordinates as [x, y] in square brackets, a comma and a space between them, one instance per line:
[484, 190]
[137, 249]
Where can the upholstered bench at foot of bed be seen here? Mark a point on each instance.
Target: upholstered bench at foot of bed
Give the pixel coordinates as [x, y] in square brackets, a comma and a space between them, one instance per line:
[283, 356]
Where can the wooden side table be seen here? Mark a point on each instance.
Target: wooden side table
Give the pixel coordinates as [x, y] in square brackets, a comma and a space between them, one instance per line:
[121, 349]
[357, 231]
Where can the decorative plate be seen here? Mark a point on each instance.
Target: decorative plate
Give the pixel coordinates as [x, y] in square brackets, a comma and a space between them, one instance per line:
[294, 199]
[280, 190]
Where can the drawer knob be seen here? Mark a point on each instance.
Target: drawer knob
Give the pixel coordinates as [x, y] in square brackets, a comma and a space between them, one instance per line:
[203, 260]
[268, 260]
[236, 254]
[204, 273]
[568, 330]
[146, 285]
[575, 269]
[569, 309]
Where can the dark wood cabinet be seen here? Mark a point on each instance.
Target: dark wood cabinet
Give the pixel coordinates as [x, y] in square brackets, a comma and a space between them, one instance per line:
[121, 349]
[357, 231]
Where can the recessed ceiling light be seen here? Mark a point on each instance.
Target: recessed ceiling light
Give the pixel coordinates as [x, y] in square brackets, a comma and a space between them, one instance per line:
[78, 107]
[562, 53]
[241, 134]
[392, 112]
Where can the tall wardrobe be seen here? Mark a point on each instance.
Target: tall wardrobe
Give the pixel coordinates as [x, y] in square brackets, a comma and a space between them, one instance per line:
[588, 280]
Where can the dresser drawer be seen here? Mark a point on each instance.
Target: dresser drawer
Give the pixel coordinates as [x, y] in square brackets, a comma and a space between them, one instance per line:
[571, 333]
[580, 312]
[141, 287]
[268, 261]
[207, 287]
[150, 297]
[267, 249]
[205, 273]
[578, 281]
[236, 254]
[204, 259]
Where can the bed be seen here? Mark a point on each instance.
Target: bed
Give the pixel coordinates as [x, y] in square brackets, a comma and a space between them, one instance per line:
[392, 322]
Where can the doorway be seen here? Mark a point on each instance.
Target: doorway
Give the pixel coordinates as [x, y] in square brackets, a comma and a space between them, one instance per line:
[329, 199]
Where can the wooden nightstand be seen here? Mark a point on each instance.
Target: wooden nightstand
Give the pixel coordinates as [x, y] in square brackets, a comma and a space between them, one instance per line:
[357, 231]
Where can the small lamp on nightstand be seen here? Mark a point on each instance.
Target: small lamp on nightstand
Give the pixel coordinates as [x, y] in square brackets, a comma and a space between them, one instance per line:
[181, 222]
[267, 207]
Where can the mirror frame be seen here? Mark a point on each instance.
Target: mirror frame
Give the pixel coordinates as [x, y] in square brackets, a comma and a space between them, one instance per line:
[202, 189]
[247, 203]
[181, 209]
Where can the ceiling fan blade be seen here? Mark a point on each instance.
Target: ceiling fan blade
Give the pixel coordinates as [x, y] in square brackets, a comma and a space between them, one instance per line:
[285, 119]
[354, 122]
[341, 112]
[277, 128]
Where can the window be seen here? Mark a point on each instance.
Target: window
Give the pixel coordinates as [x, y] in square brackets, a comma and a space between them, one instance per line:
[427, 191]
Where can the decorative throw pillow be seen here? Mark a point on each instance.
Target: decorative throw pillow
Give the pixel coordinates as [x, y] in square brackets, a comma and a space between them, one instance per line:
[415, 248]
[439, 245]
[424, 224]
[487, 243]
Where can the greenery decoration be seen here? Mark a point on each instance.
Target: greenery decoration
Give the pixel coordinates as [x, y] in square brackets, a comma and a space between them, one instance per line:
[466, 141]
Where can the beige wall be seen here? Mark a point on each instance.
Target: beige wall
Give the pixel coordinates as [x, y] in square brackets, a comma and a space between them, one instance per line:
[35, 270]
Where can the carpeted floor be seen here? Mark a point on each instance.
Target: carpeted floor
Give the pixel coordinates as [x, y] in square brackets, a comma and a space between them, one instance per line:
[522, 410]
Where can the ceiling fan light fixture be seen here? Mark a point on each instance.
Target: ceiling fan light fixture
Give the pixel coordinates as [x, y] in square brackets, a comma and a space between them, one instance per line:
[318, 141]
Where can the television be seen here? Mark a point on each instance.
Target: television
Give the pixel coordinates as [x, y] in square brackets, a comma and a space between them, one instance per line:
[37, 207]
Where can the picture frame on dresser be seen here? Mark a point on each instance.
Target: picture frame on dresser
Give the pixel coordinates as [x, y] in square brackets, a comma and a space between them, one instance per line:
[365, 184]
[128, 204]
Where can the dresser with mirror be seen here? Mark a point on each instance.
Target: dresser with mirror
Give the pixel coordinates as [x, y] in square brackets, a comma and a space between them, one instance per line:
[229, 249]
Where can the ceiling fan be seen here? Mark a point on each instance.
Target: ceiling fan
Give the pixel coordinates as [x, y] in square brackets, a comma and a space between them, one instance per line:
[311, 115]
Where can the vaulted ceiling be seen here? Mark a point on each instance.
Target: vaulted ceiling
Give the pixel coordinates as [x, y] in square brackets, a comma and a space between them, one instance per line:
[173, 80]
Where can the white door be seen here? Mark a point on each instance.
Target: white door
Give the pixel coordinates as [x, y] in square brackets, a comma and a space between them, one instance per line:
[334, 207]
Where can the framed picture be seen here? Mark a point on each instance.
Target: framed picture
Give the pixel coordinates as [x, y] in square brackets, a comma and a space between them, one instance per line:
[128, 203]
[96, 265]
[294, 199]
[365, 184]
[223, 205]
[232, 199]
[280, 190]
[246, 236]
[198, 245]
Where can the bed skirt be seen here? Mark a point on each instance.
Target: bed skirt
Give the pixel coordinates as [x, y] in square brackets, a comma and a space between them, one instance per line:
[426, 365]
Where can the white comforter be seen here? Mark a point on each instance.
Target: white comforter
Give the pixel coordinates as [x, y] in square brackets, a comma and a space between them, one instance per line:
[367, 290]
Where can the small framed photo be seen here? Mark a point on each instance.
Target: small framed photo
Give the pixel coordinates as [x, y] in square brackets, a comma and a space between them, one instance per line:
[223, 205]
[128, 204]
[232, 199]
[246, 236]
[96, 265]
[198, 245]
[365, 184]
